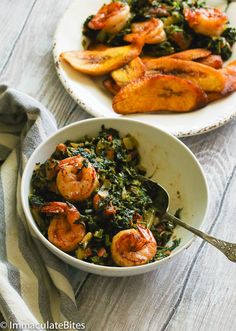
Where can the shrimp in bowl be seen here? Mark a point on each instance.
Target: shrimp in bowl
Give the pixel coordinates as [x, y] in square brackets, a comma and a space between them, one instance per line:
[89, 202]
[133, 247]
[65, 231]
[76, 179]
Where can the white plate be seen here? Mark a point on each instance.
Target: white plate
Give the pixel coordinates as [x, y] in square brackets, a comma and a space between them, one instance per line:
[90, 94]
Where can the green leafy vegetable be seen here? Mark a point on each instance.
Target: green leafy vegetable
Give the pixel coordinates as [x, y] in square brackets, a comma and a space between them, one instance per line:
[179, 35]
[122, 201]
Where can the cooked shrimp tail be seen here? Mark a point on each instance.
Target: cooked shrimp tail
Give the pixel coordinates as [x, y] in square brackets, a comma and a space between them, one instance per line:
[65, 231]
[111, 18]
[133, 247]
[151, 32]
[76, 179]
[209, 22]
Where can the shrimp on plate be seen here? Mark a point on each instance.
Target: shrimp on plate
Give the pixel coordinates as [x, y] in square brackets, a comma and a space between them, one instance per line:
[76, 179]
[152, 31]
[64, 230]
[209, 22]
[133, 247]
[111, 18]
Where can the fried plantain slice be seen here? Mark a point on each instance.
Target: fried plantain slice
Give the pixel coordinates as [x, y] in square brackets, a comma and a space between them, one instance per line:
[214, 96]
[189, 55]
[131, 71]
[209, 79]
[111, 86]
[230, 75]
[230, 86]
[98, 47]
[214, 61]
[159, 93]
[100, 62]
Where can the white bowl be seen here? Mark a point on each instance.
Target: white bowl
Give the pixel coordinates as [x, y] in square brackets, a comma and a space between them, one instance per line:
[170, 162]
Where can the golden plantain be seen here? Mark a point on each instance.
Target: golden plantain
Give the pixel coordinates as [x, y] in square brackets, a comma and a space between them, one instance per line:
[214, 61]
[230, 86]
[111, 86]
[214, 96]
[131, 71]
[229, 73]
[100, 62]
[209, 79]
[189, 55]
[159, 93]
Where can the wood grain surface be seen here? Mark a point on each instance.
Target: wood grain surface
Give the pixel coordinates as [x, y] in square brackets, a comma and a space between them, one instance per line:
[196, 290]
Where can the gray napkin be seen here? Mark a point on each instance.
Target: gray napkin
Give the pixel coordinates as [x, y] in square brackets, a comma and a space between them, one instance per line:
[36, 288]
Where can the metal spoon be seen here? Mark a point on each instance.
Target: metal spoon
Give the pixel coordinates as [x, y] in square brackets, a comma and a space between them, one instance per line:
[161, 201]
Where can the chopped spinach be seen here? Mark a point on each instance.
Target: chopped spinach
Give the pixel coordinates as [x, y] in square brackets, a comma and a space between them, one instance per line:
[122, 202]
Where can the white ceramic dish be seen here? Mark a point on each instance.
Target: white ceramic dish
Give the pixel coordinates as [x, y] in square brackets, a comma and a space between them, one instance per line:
[171, 163]
[91, 95]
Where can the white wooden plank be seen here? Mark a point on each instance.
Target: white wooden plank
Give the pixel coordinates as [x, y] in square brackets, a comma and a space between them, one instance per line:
[14, 15]
[209, 300]
[31, 68]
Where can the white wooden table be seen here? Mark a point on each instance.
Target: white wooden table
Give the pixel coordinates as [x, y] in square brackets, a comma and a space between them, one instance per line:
[195, 291]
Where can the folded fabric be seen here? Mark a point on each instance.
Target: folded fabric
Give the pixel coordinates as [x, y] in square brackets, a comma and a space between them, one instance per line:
[35, 286]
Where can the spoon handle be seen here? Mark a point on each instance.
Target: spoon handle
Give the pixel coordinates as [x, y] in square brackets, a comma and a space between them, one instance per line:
[228, 249]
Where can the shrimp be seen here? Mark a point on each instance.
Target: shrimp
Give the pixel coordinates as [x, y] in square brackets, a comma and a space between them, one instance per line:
[111, 18]
[76, 179]
[209, 22]
[63, 231]
[133, 247]
[152, 31]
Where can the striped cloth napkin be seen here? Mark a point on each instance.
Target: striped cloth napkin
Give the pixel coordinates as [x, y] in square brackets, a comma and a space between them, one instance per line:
[35, 286]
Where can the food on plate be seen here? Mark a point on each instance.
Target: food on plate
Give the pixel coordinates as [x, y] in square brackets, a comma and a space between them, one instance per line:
[232, 66]
[177, 25]
[191, 54]
[230, 74]
[159, 92]
[214, 61]
[214, 96]
[102, 213]
[208, 78]
[130, 40]
[196, 54]
[111, 86]
[152, 31]
[131, 71]
[96, 63]
[209, 22]
[111, 18]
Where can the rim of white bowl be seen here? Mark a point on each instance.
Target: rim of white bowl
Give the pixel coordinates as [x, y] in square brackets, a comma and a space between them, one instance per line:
[88, 265]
